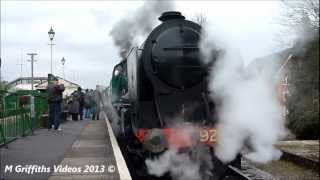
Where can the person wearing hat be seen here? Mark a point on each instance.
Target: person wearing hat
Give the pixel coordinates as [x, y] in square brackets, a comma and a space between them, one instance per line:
[80, 97]
[54, 91]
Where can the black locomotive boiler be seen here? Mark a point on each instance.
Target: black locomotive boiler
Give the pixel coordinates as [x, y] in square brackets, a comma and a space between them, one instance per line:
[160, 90]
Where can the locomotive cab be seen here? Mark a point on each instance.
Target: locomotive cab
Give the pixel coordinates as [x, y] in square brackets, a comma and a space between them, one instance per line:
[118, 85]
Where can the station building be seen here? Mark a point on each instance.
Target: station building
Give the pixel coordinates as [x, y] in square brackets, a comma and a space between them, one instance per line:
[40, 83]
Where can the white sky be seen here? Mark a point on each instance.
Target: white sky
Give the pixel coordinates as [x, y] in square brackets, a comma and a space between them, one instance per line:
[82, 33]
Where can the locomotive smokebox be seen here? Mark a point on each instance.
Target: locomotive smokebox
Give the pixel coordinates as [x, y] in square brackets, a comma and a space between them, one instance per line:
[171, 15]
[173, 48]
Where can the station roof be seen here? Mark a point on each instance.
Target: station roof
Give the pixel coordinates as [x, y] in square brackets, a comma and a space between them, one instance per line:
[40, 83]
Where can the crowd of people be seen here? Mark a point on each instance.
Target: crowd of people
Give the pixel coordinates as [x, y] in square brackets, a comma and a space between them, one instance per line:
[84, 105]
[80, 105]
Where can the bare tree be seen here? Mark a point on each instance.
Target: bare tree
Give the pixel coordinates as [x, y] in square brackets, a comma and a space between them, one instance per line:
[302, 18]
[299, 21]
[299, 12]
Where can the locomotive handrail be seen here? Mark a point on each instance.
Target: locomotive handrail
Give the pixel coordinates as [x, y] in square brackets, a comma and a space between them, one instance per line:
[158, 112]
[129, 53]
[206, 102]
[188, 66]
[181, 48]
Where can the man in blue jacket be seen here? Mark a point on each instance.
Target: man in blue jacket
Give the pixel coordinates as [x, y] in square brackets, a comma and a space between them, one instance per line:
[54, 91]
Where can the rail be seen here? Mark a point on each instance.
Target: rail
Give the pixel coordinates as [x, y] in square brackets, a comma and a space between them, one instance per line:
[15, 123]
[18, 119]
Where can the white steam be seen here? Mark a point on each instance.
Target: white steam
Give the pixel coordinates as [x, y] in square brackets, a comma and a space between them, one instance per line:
[135, 27]
[248, 109]
[196, 165]
[110, 111]
[179, 166]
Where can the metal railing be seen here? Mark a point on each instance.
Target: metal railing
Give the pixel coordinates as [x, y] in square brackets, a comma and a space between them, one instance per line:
[18, 120]
[15, 123]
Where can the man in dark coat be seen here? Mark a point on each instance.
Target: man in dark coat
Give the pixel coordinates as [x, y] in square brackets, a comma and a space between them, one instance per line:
[97, 103]
[80, 96]
[54, 91]
[74, 106]
[87, 104]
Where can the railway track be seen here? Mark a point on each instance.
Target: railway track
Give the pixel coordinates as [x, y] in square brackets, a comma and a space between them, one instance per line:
[300, 160]
[248, 172]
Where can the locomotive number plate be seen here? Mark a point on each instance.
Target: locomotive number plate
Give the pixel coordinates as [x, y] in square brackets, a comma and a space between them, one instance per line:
[208, 135]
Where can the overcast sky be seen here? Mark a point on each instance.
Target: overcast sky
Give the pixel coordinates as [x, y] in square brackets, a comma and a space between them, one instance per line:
[82, 33]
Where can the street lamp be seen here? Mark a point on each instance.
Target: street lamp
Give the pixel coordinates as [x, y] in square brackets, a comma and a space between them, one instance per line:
[51, 34]
[63, 61]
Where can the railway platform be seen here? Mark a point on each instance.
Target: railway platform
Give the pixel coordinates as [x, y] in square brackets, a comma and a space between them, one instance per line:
[82, 150]
[307, 148]
[303, 152]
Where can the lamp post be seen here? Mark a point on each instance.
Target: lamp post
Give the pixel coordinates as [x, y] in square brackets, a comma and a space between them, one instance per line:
[51, 34]
[63, 61]
[32, 112]
[0, 73]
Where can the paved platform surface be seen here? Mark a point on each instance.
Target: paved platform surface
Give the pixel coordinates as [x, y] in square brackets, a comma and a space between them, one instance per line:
[92, 154]
[84, 150]
[43, 149]
[307, 148]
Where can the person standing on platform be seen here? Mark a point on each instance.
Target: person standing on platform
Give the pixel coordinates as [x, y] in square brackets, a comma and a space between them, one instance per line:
[87, 108]
[80, 96]
[55, 90]
[74, 106]
[93, 106]
[97, 103]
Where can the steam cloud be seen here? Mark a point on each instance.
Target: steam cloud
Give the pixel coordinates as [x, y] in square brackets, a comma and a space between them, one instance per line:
[194, 165]
[183, 166]
[179, 166]
[130, 31]
[249, 111]
[109, 110]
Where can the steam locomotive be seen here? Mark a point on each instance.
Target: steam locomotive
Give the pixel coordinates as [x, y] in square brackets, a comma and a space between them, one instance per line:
[160, 91]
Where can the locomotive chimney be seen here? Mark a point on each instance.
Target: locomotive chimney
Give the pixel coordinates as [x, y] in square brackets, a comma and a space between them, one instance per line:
[171, 15]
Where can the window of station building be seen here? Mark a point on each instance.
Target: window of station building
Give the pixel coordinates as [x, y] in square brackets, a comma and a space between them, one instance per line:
[24, 81]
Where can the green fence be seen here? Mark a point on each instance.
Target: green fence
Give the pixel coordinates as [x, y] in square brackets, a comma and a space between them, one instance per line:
[16, 117]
